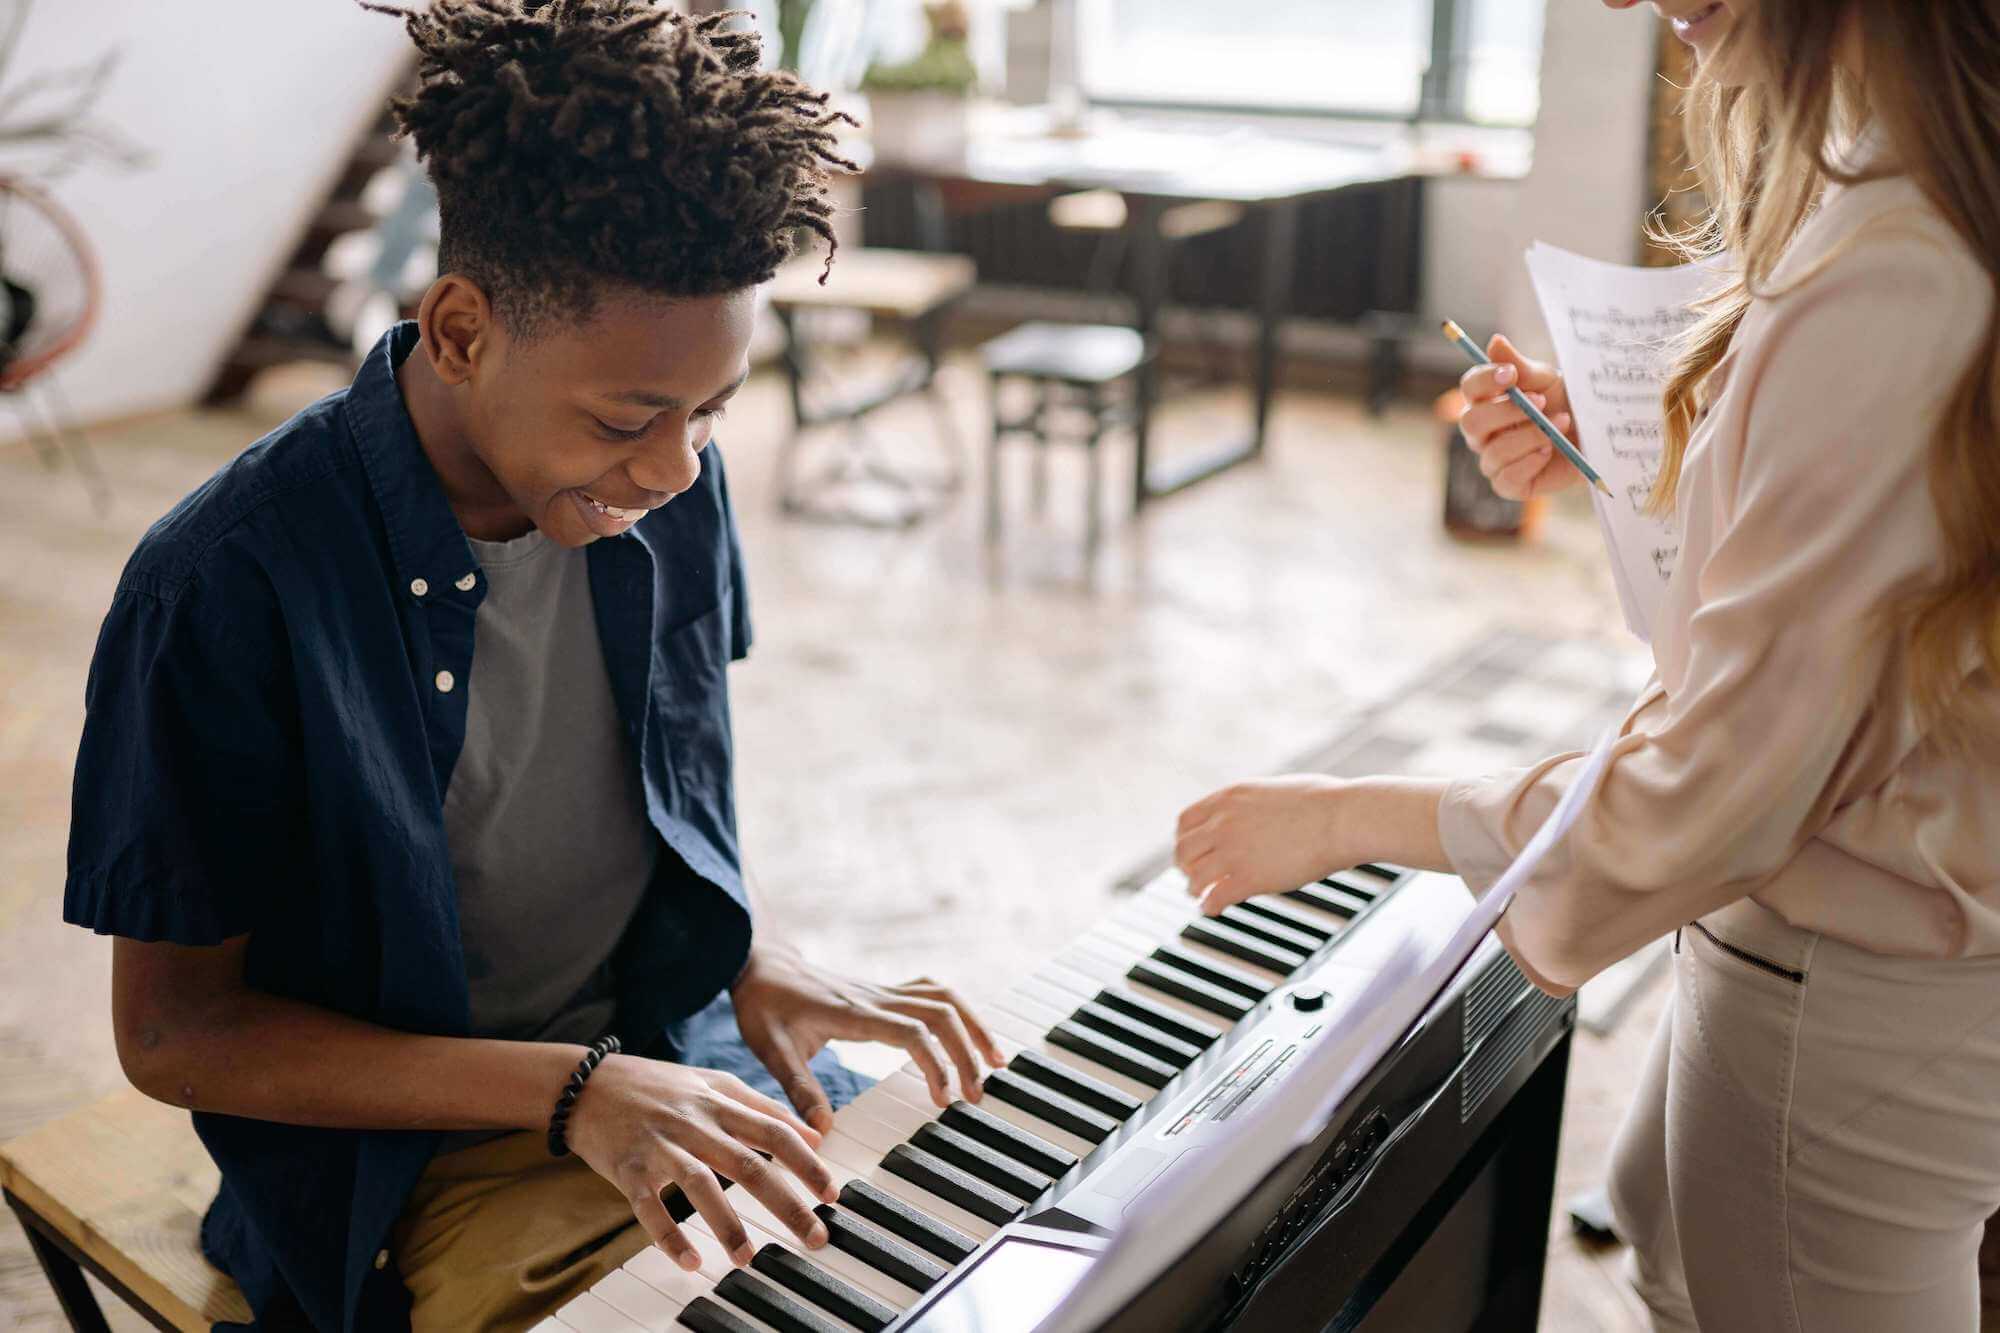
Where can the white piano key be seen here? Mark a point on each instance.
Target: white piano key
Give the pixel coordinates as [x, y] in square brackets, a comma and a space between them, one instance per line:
[1151, 916]
[847, 1154]
[673, 1283]
[1098, 967]
[551, 1325]
[873, 1127]
[902, 1087]
[1060, 980]
[589, 1314]
[1008, 1027]
[1024, 1002]
[645, 1305]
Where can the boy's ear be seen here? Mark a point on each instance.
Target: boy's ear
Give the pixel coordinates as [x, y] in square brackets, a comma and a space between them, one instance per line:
[455, 323]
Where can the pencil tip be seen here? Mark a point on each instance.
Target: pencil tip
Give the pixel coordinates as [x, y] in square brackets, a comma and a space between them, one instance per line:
[1602, 487]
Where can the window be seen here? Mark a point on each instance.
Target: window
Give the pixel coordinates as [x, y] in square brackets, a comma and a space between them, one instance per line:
[1437, 59]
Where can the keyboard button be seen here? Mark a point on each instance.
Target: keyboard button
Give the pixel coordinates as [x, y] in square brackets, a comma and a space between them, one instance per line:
[802, 1277]
[907, 1222]
[949, 1182]
[1185, 986]
[1037, 1154]
[1164, 1013]
[1112, 1054]
[988, 1164]
[1283, 913]
[1214, 973]
[880, 1251]
[780, 1309]
[705, 1316]
[1058, 1110]
[1240, 944]
[1339, 902]
[1173, 1054]
[1270, 931]
[1077, 1086]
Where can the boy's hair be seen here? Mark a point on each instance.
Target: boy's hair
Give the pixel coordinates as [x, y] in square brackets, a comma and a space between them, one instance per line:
[578, 143]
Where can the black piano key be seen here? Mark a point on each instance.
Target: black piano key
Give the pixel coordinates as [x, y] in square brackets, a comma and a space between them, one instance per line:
[981, 1162]
[1112, 1053]
[943, 1161]
[881, 1252]
[1270, 931]
[1082, 1087]
[704, 1316]
[1337, 901]
[1134, 1033]
[914, 1225]
[1271, 909]
[1157, 1016]
[1065, 1114]
[1239, 944]
[1215, 974]
[1028, 1149]
[1186, 986]
[806, 1278]
[780, 1309]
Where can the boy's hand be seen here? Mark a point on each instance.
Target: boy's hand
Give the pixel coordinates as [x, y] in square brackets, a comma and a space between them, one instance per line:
[788, 1009]
[646, 1124]
[1515, 456]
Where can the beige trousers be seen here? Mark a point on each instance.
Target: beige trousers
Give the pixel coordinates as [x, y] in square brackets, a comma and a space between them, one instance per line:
[496, 1236]
[1815, 1142]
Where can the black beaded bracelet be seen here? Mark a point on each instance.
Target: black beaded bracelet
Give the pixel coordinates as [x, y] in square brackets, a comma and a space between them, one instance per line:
[559, 1118]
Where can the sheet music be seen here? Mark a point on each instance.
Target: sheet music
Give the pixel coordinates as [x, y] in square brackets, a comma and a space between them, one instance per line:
[1613, 328]
[1197, 1192]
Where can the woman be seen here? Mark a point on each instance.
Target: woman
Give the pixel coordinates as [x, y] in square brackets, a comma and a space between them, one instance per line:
[1810, 784]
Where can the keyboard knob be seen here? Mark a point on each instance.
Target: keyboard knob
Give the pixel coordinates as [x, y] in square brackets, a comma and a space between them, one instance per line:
[1308, 999]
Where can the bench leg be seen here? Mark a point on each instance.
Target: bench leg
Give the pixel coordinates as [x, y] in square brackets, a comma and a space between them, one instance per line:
[64, 1274]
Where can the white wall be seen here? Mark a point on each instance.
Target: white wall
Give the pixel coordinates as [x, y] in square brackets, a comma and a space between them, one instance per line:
[1587, 188]
[249, 108]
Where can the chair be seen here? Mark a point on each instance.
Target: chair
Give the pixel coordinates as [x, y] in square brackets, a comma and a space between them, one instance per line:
[118, 1189]
[1081, 366]
[916, 288]
[50, 293]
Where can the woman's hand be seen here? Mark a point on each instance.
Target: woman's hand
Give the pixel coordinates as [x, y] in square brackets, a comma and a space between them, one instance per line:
[646, 1124]
[1274, 834]
[787, 1010]
[1515, 456]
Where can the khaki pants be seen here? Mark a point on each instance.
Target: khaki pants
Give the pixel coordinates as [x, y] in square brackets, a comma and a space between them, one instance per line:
[1815, 1142]
[496, 1236]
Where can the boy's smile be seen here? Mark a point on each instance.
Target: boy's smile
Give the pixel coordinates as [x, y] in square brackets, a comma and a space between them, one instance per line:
[582, 429]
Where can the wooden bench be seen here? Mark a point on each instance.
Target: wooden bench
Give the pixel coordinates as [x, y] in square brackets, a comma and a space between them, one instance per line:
[118, 1190]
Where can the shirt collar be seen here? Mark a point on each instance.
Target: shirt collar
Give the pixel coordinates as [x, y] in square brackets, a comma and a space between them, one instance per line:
[425, 539]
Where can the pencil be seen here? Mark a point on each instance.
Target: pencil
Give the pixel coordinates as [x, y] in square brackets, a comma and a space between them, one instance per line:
[1542, 423]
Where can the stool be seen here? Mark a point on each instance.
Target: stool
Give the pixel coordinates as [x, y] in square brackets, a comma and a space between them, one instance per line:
[118, 1189]
[1105, 212]
[913, 286]
[1087, 361]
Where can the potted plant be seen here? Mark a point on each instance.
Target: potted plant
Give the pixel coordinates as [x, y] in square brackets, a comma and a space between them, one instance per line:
[920, 108]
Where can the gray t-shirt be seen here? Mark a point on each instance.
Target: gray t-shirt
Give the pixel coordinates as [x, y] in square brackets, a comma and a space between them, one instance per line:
[544, 814]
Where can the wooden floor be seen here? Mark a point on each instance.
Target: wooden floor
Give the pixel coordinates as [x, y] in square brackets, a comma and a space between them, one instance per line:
[945, 759]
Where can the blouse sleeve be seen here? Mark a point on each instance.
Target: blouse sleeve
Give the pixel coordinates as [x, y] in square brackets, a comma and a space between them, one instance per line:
[1791, 700]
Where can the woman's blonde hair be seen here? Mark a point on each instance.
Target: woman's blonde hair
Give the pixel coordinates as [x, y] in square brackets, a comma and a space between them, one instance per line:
[1762, 150]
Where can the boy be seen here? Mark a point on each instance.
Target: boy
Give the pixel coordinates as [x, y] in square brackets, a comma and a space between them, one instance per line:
[406, 774]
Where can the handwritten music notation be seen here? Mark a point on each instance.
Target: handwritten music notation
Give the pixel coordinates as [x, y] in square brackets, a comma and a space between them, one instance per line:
[1615, 330]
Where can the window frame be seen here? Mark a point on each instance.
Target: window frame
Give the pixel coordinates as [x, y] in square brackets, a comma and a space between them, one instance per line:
[1441, 90]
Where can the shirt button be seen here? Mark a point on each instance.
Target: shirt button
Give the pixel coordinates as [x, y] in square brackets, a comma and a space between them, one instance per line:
[381, 1260]
[445, 681]
[419, 588]
[466, 584]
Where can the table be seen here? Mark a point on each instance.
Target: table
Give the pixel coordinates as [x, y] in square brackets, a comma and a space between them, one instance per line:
[1155, 168]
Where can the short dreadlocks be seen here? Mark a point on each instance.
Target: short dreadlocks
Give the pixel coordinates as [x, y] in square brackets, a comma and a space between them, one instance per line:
[576, 143]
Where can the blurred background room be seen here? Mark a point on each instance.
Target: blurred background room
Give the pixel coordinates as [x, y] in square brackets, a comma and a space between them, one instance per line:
[999, 645]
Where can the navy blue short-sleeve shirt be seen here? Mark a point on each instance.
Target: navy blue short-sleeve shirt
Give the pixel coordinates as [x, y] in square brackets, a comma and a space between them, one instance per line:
[272, 717]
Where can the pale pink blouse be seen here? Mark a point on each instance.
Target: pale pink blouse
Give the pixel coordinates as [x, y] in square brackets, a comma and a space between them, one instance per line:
[1775, 753]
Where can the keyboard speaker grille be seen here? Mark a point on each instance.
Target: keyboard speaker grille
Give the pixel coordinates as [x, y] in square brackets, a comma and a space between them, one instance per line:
[1488, 1069]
